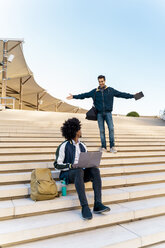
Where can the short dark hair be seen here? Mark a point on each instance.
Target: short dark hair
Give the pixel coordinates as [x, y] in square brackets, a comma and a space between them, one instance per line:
[70, 128]
[101, 76]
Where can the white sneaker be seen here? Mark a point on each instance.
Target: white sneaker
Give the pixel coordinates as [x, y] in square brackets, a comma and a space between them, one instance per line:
[101, 149]
[113, 149]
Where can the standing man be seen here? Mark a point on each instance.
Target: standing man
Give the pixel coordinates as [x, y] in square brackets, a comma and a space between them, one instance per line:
[67, 156]
[103, 100]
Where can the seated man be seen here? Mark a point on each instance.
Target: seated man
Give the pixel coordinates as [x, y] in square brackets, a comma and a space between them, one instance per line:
[67, 156]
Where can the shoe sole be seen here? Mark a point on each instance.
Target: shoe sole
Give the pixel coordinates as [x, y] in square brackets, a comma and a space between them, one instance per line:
[101, 211]
[87, 218]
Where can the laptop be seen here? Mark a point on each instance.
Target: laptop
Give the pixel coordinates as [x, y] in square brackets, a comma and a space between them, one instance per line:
[89, 159]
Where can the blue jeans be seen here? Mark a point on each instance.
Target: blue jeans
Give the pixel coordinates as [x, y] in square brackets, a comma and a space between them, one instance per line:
[101, 118]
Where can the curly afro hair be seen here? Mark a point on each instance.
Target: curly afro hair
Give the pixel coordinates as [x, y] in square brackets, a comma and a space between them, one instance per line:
[70, 128]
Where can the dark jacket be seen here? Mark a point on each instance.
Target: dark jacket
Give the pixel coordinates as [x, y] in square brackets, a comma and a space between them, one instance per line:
[65, 156]
[103, 98]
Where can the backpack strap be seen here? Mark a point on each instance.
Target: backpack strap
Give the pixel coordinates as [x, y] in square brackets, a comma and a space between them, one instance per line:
[94, 98]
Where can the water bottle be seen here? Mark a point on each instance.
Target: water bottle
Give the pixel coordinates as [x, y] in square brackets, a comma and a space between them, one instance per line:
[64, 191]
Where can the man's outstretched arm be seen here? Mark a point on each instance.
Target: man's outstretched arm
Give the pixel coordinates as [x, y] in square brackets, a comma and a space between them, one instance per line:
[123, 94]
[81, 96]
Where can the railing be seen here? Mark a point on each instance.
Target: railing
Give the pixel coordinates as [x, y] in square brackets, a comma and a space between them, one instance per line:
[7, 101]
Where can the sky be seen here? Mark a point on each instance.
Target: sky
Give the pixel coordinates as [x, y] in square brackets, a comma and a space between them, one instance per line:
[68, 43]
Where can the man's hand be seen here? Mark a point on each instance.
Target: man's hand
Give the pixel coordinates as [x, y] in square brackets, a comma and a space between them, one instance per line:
[69, 97]
[74, 166]
[138, 95]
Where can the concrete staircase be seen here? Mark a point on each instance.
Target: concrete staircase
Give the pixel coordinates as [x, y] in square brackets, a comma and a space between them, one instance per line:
[133, 184]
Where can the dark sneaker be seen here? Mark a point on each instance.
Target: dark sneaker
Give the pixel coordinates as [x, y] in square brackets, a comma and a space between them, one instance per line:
[100, 208]
[86, 213]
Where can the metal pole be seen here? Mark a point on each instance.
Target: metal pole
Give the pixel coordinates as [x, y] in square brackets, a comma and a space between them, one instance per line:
[20, 94]
[55, 107]
[38, 101]
[39, 98]
[14, 103]
[4, 72]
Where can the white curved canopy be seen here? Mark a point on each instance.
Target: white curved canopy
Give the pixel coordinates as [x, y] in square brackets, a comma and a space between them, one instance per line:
[22, 86]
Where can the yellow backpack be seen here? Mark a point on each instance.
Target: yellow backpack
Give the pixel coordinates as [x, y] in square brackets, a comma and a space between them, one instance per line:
[43, 187]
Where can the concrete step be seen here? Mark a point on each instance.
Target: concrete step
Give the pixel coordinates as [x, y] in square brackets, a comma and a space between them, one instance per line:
[43, 118]
[87, 125]
[25, 207]
[12, 158]
[87, 137]
[59, 139]
[123, 169]
[108, 237]
[90, 131]
[20, 177]
[131, 161]
[112, 237]
[44, 151]
[118, 122]
[28, 157]
[156, 179]
[51, 145]
[129, 125]
[24, 166]
[62, 223]
[88, 144]
[136, 154]
[133, 235]
[120, 153]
